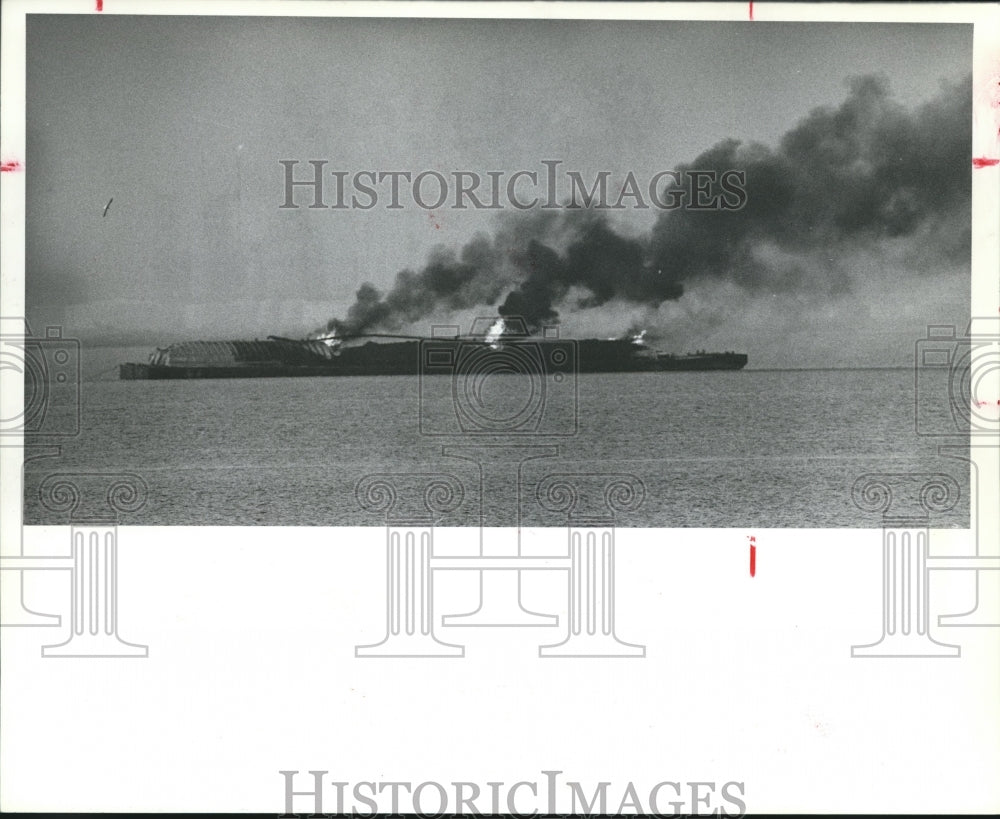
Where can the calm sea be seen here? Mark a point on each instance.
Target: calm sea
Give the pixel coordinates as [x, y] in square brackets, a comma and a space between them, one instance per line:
[723, 449]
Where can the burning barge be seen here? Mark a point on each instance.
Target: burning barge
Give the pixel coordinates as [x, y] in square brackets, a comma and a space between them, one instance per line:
[279, 357]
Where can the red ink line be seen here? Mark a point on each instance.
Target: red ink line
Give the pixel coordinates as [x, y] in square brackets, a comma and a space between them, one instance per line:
[751, 9]
[13, 165]
[100, 5]
[984, 162]
[753, 560]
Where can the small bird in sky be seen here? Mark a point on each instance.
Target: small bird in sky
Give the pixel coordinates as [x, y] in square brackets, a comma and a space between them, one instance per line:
[112, 199]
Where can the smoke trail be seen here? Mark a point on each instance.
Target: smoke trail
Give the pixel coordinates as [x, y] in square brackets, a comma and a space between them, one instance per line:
[447, 281]
[862, 173]
[844, 178]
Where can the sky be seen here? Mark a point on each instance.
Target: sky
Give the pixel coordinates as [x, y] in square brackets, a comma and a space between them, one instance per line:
[853, 239]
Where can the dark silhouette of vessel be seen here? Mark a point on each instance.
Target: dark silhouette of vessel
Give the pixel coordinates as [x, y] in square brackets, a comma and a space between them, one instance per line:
[384, 354]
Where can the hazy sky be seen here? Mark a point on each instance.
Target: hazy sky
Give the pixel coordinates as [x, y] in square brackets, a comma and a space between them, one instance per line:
[183, 122]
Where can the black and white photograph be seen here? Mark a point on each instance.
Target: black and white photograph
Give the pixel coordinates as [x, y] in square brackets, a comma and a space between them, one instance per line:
[705, 250]
[503, 332]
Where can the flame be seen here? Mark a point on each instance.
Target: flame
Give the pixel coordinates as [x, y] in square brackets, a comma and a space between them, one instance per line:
[327, 337]
[495, 332]
[639, 337]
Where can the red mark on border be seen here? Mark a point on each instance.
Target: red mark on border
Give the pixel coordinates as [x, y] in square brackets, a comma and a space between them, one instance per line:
[751, 9]
[984, 162]
[100, 5]
[753, 556]
[9, 167]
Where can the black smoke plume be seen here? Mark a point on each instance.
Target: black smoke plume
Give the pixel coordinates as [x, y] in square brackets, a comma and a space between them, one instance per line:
[844, 178]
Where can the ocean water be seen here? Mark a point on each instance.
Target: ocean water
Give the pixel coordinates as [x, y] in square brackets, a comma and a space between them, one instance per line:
[714, 449]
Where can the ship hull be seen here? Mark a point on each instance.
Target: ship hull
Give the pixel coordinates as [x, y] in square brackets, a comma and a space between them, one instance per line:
[588, 356]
